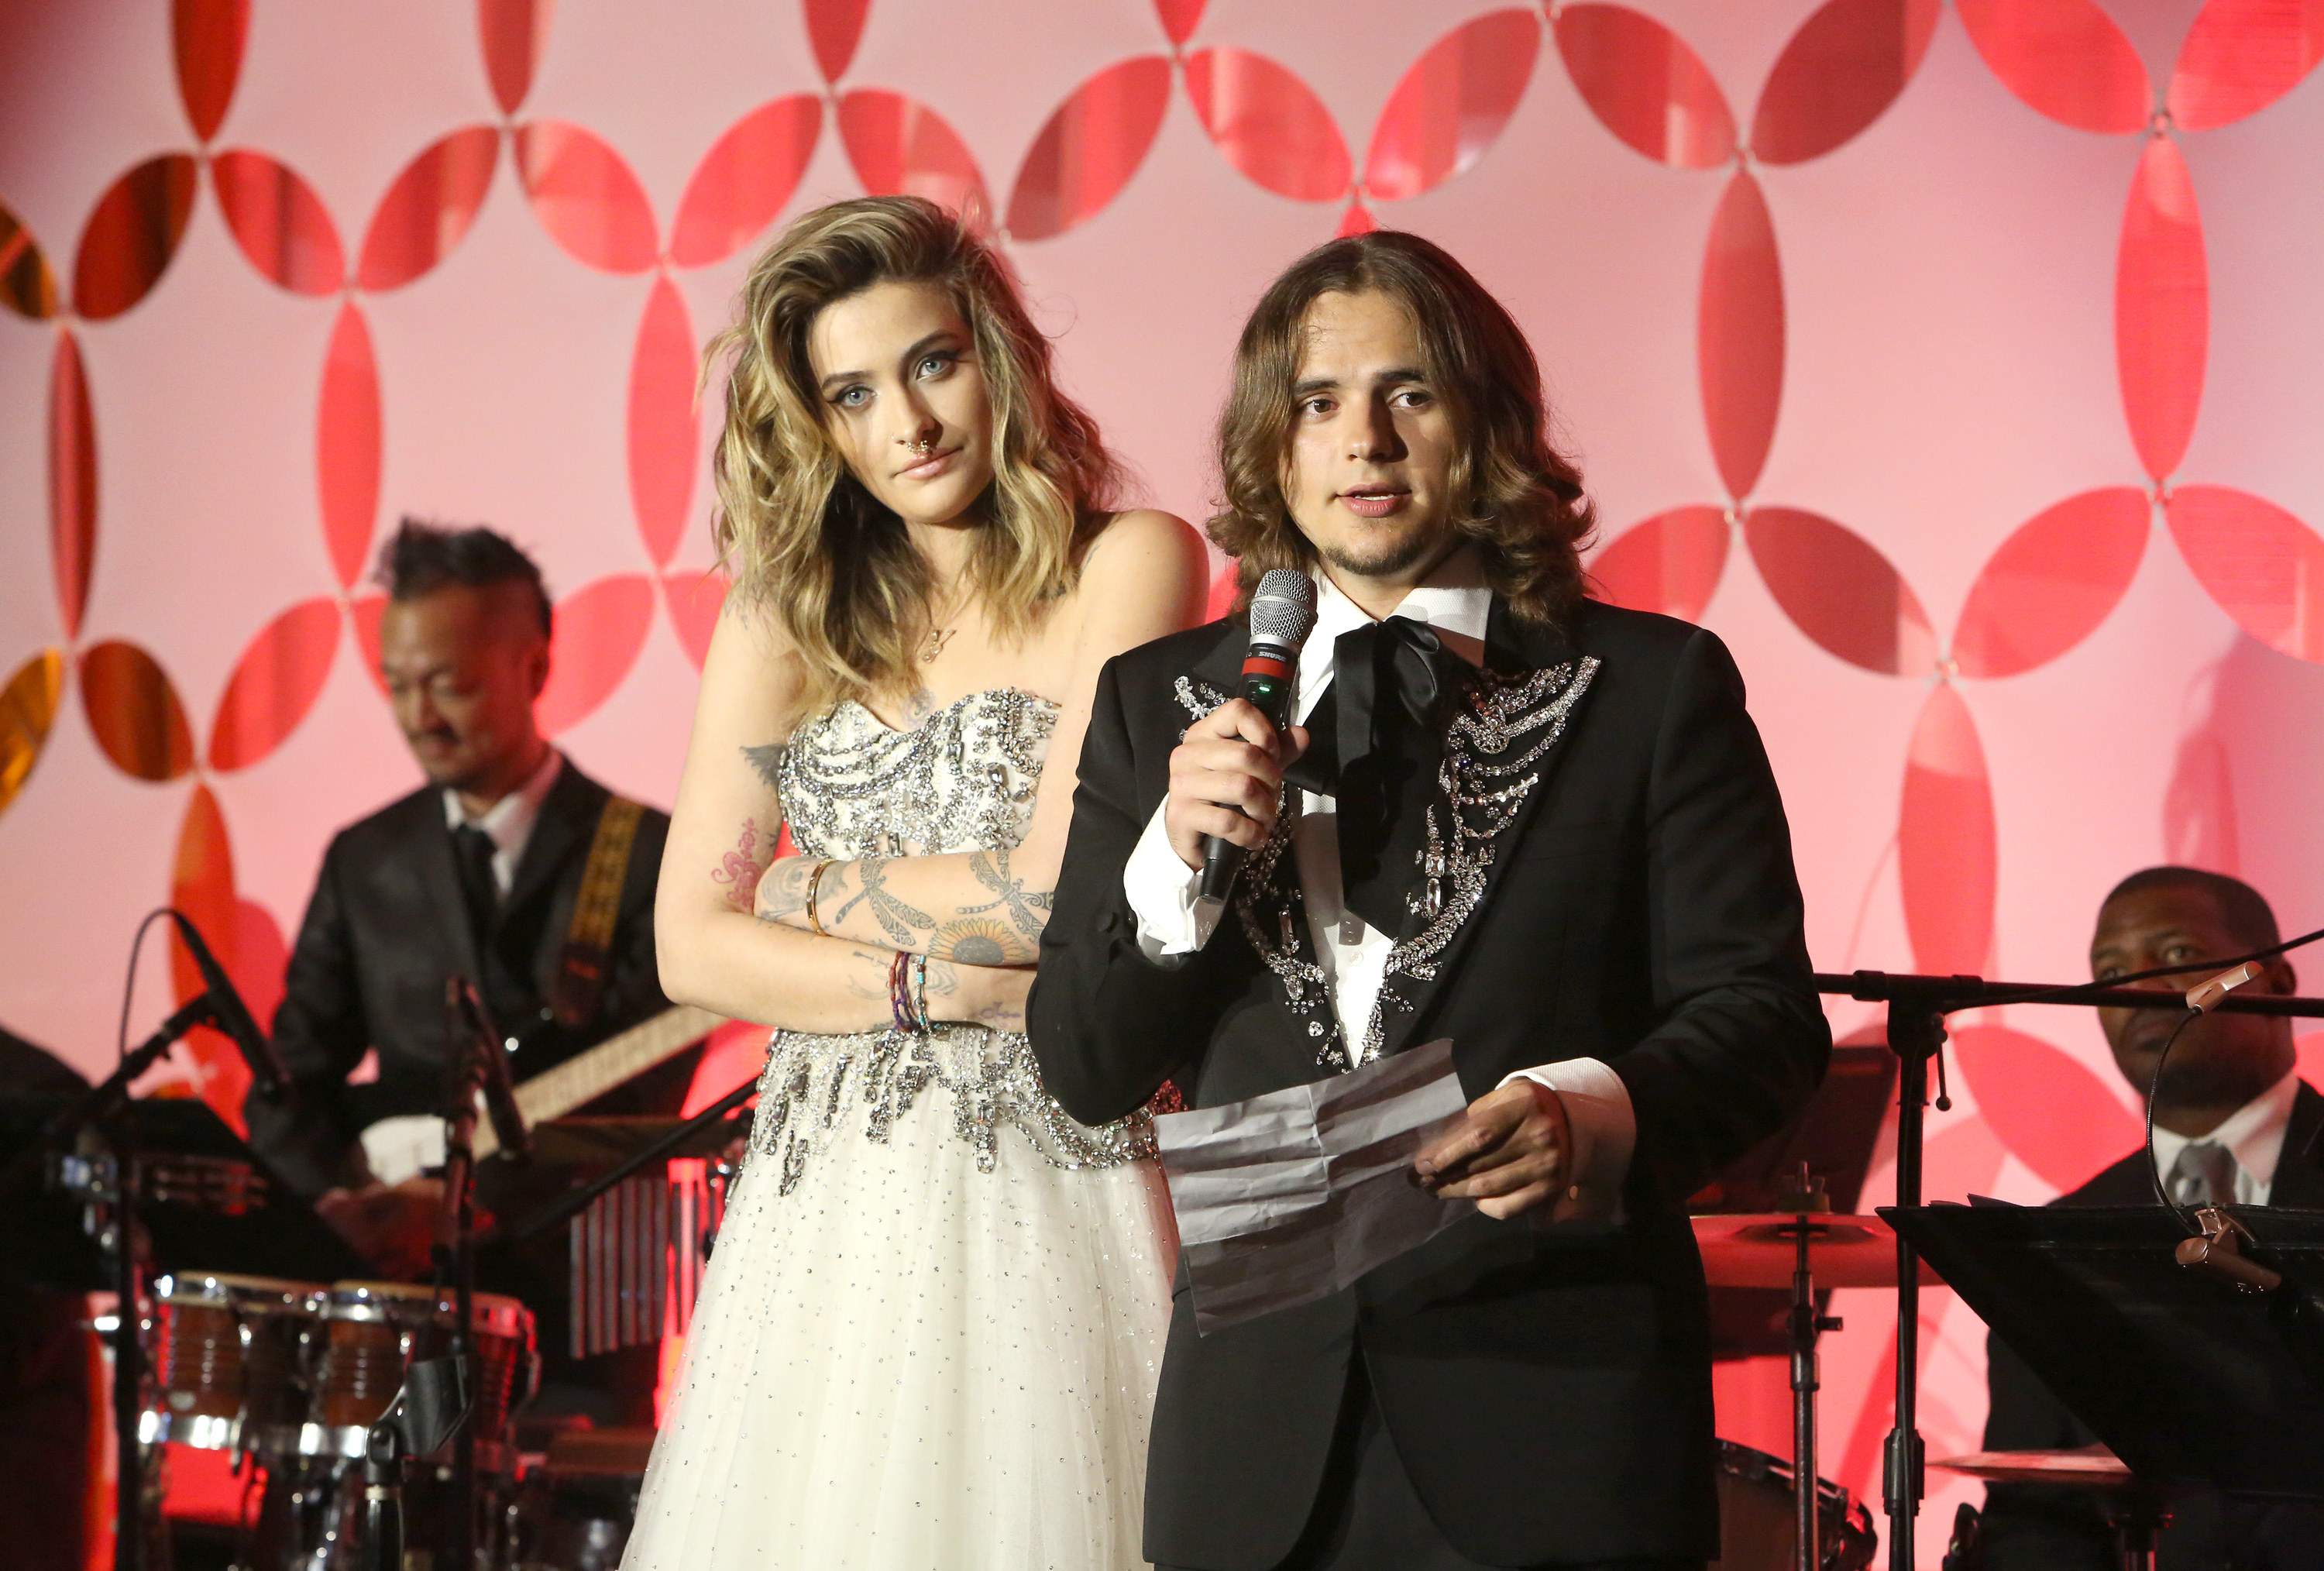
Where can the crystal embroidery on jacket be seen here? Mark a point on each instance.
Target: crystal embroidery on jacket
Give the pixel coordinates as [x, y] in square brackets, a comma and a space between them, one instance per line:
[1480, 787]
[1479, 791]
[853, 786]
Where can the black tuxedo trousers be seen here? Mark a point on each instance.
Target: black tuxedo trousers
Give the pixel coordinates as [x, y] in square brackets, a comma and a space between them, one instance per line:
[1547, 1388]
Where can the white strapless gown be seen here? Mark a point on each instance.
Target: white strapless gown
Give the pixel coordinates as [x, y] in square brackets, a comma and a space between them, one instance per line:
[928, 1336]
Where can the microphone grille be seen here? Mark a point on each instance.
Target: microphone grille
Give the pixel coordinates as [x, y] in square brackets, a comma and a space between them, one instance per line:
[1283, 607]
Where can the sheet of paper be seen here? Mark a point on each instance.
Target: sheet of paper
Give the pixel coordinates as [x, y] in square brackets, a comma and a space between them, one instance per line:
[1286, 1198]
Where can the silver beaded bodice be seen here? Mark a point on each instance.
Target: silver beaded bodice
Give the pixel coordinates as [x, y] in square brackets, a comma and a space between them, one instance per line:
[853, 786]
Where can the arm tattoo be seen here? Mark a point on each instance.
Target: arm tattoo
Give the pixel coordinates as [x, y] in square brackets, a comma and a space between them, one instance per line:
[899, 921]
[944, 981]
[768, 762]
[783, 888]
[877, 965]
[740, 868]
[980, 939]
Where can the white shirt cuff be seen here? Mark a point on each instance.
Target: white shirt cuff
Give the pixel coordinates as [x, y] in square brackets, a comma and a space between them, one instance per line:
[1605, 1130]
[1161, 890]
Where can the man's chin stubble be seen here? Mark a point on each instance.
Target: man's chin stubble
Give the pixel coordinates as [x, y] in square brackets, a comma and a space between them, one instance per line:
[1405, 555]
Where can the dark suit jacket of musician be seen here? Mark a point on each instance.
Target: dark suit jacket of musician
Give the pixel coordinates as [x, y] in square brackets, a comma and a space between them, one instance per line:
[386, 927]
[2031, 1528]
[1548, 1391]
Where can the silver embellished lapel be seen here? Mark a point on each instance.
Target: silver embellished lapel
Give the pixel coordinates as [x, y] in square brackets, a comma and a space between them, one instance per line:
[1274, 914]
[1268, 897]
[1491, 753]
[1199, 698]
[1491, 750]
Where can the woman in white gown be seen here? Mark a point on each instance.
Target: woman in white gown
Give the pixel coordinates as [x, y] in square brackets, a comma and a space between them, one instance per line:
[930, 1329]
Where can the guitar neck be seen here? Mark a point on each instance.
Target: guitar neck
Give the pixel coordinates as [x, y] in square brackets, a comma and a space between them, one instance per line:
[587, 1076]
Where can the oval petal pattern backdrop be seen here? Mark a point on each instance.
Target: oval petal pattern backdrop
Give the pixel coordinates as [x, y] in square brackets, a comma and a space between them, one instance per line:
[1785, 265]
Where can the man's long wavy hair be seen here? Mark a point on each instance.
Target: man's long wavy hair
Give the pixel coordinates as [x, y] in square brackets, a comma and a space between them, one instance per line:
[1513, 494]
[808, 546]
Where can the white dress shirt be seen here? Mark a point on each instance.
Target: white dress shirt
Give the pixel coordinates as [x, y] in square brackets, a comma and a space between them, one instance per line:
[509, 821]
[2252, 1134]
[1352, 953]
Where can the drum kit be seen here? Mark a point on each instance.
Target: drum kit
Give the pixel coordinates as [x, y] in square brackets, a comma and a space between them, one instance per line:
[1767, 1521]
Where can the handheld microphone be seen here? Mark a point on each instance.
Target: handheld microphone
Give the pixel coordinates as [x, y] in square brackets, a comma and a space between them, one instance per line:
[491, 1065]
[1282, 616]
[231, 1015]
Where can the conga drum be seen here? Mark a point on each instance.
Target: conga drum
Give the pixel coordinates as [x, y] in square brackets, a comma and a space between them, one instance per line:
[229, 1361]
[374, 1331]
[371, 1332]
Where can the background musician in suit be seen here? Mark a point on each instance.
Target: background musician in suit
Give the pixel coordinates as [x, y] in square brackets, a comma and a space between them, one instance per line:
[477, 873]
[2234, 1124]
[1601, 912]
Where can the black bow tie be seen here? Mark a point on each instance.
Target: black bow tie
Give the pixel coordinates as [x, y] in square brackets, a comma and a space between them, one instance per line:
[1387, 678]
[1373, 744]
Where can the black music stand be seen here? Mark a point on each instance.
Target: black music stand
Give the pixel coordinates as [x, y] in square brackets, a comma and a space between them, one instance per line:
[1917, 1008]
[2191, 1382]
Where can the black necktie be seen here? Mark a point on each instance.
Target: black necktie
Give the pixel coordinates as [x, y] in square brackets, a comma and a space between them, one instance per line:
[1374, 741]
[471, 853]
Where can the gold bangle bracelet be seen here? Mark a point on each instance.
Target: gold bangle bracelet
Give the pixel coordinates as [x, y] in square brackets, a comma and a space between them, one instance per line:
[815, 877]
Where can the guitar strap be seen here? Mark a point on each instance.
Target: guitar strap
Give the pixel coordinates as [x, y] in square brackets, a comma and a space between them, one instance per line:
[588, 961]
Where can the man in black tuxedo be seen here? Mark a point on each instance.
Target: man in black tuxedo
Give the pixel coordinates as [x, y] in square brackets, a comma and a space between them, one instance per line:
[477, 873]
[2234, 1124]
[1541, 827]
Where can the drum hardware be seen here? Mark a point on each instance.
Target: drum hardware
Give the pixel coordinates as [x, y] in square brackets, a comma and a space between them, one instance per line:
[1750, 1251]
[429, 1408]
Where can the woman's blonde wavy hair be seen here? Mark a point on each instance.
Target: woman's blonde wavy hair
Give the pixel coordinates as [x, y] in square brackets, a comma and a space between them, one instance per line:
[1514, 494]
[806, 543]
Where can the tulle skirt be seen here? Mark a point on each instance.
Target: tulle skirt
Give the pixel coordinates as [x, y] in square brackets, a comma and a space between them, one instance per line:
[903, 1359]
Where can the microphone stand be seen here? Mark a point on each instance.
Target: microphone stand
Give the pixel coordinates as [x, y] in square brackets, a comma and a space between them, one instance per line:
[455, 1231]
[1917, 1008]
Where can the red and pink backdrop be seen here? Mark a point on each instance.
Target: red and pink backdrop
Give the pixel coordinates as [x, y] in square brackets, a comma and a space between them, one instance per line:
[1960, 365]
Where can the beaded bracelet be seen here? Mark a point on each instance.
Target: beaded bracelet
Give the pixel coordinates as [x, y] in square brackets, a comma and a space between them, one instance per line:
[920, 993]
[900, 1002]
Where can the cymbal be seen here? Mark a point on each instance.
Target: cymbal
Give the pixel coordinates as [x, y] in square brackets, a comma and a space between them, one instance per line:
[1757, 1249]
[2086, 1467]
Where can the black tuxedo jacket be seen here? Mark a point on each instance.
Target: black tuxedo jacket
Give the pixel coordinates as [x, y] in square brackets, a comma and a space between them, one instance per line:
[386, 927]
[1548, 1390]
[2032, 1528]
